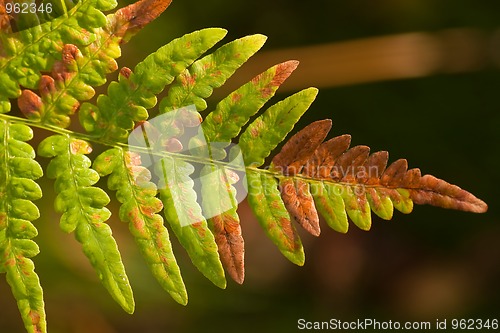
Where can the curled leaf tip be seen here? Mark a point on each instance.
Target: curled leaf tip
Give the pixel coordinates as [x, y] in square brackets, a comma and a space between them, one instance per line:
[437, 192]
[136, 16]
[30, 104]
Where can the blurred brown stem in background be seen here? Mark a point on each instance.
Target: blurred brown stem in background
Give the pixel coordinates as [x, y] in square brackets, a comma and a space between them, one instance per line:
[402, 56]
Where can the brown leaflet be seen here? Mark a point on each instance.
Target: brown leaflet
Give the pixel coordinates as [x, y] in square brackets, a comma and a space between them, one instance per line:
[125, 72]
[335, 147]
[63, 70]
[70, 53]
[321, 163]
[348, 165]
[412, 178]
[129, 20]
[47, 85]
[30, 104]
[394, 174]
[230, 244]
[437, 192]
[374, 167]
[301, 147]
[299, 202]
[426, 189]
[5, 26]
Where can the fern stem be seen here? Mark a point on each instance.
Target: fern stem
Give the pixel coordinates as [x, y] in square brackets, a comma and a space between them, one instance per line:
[4, 166]
[137, 149]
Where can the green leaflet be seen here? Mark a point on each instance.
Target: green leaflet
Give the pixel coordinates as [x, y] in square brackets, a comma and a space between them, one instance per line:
[30, 51]
[271, 128]
[129, 98]
[184, 215]
[18, 170]
[330, 204]
[401, 199]
[83, 211]
[26, 289]
[357, 206]
[234, 111]
[380, 203]
[197, 83]
[139, 209]
[264, 198]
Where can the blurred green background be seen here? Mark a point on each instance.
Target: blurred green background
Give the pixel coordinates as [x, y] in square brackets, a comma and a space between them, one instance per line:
[444, 118]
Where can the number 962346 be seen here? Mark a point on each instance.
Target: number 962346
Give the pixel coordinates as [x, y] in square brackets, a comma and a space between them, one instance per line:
[474, 324]
[25, 8]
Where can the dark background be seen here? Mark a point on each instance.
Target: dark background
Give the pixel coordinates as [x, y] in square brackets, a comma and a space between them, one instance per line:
[431, 264]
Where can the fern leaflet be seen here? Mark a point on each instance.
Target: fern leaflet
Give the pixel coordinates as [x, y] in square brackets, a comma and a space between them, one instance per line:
[139, 209]
[82, 206]
[18, 189]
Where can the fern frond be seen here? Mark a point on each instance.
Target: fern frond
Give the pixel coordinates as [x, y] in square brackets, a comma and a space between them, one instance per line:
[53, 65]
[72, 78]
[352, 181]
[139, 209]
[310, 175]
[82, 206]
[28, 52]
[18, 170]
[126, 104]
[197, 83]
[124, 109]
[128, 99]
